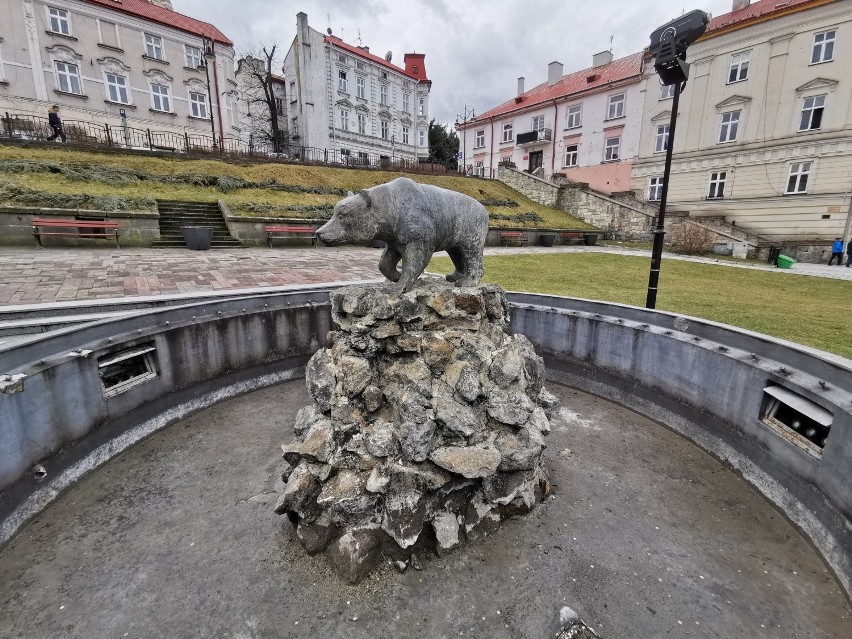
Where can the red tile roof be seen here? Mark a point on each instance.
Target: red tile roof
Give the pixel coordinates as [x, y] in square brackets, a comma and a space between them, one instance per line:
[573, 83]
[147, 11]
[757, 12]
[340, 44]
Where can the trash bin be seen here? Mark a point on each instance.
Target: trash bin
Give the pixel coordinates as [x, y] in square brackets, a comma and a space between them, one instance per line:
[547, 239]
[785, 262]
[197, 238]
[590, 239]
[774, 252]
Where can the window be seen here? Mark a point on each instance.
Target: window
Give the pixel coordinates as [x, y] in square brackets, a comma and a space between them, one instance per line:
[341, 58]
[823, 50]
[613, 149]
[279, 106]
[383, 94]
[655, 189]
[421, 106]
[797, 180]
[662, 141]
[717, 185]
[68, 78]
[154, 46]
[666, 91]
[363, 158]
[574, 119]
[362, 123]
[293, 91]
[361, 87]
[406, 102]
[160, 98]
[361, 67]
[117, 88]
[571, 155]
[342, 83]
[480, 169]
[422, 138]
[384, 75]
[812, 109]
[616, 106]
[109, 35]
[508, 132]
[479, 139]
[537, 124]
[385, 129]
[59, 22]
[344, 155]
[405, 135]
[197, 104]
[344, 119]
[193, 57]
[730, 123]
[414, 68]
[739, 67]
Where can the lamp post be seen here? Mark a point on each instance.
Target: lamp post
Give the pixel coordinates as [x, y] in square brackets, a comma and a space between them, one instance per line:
[209, 58]
[464, 118]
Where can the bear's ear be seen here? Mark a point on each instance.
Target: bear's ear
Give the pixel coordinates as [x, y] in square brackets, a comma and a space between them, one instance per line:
[349, 194]
[366, 195]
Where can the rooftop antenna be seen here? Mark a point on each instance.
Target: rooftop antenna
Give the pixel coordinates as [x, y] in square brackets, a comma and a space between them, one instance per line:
[610, 43]
[359, 36]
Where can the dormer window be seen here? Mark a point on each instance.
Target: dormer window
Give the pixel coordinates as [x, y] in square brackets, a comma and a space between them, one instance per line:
[414, 68]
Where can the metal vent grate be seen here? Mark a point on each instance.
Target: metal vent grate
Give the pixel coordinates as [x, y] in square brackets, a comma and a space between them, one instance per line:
[796, 418]
[122, 370]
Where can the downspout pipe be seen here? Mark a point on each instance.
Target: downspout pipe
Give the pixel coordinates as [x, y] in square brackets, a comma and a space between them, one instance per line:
[555, 123]
[218, 102]
[491, 151]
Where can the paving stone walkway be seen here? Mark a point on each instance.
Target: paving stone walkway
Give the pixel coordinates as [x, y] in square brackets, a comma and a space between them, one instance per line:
[29, 276]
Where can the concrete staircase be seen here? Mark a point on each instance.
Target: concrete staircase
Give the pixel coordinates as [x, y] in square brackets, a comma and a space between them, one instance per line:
[174, 215]
[718, 225]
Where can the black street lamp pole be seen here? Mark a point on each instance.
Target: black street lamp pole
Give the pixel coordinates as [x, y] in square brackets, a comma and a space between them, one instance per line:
[209, 58]
[464, 118]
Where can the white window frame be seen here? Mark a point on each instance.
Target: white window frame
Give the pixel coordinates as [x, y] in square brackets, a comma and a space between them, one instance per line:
[718, 180]
[421, 134]
[508, 131]
[362, 123]
[153, 45]
[810, 107]
[616, 105]
[385, 129]
[193, 56]
[612, 151]
[69, 74]
[405, 136]
[342, 81]
[667, 91]
[729, 122]
[537, 123]
[198, 105]
[406, 102]
[574, 116]
[798, 176]
[822, 50]
[661, 141]
[279, 105]
[361, 87]
[421, 106]
[479, 139]
[59, 18]
[738, 67]
[116, 85]
[161, 98]
[655, 189]
[363, 158]
[344, 119]
[383, 94]
[479, 168]
[572, 154]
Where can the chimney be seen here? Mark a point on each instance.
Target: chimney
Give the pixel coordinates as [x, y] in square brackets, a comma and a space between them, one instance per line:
[740, 4]
[554, 73]
[520, 86]
[365, 48]
[166, 4]
[602, 58]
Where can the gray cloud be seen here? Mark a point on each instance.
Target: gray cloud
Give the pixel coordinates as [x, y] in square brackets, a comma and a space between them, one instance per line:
[475, 50]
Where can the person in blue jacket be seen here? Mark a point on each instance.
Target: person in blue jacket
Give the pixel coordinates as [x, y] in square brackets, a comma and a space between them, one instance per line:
[836, 252]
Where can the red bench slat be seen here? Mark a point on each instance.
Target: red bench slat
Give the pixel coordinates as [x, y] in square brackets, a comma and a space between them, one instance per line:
[301, 230]
[39, 223]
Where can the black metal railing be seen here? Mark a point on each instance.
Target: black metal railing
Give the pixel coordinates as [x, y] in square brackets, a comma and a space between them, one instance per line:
[540, 135]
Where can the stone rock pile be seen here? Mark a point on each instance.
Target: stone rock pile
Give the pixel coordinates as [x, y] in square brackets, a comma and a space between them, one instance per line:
[427, 426]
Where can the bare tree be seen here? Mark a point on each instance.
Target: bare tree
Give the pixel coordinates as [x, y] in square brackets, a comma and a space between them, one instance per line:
[265, 95]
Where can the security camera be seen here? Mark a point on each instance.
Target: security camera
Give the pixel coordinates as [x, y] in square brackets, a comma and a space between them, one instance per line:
[670, 41]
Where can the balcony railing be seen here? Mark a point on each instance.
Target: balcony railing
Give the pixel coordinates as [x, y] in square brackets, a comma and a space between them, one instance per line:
[541, 135]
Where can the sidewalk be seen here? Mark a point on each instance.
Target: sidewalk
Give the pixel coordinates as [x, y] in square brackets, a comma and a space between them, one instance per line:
[30, 276]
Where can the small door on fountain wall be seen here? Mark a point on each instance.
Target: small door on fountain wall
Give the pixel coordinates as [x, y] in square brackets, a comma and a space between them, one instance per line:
[536, 160]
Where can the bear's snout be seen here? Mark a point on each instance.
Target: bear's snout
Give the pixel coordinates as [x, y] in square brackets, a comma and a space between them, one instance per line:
[331, 233]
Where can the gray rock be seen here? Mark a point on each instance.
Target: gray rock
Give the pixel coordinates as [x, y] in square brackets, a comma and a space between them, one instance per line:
[300, 493]
[502, 488]
[305, 418]
[400, 566]
[494, 300]
[423, 477]
[414, 220]
[510, 407]
[507, 367]
[380, 440]
[538, 421]
[315, 537]
[372, 396]
[519, 450]
[468, 385]
[546, 400]
[407, 374]
[415, 562]
[446, 527]
[480, 518]
[356, 553]
[437, 352]
[319, 442]
[459, 419]
[416, 439]
[355, 373]
[405, 515]
[386, 329]
[345, 497]
[376, 482]
[468, 461]
[320, 376]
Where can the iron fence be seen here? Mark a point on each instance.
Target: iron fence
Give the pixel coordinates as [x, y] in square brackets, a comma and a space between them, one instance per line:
[36, 128]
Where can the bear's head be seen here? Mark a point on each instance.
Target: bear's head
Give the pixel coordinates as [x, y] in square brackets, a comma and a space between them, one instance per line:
[354, 221]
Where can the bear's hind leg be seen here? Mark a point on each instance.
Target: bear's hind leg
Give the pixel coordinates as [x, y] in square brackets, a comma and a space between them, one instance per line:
[458, 261]
[387, 264]
[473, 266]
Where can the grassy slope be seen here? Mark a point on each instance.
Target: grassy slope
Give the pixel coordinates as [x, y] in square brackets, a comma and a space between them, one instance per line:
[237, 200]
[808, 310]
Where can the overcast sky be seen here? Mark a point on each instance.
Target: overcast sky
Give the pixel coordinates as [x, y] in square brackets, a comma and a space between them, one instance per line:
[475, 49]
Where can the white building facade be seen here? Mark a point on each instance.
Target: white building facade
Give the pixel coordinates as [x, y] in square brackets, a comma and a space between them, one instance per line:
[95, 58]
[764, 131]
[584, 125]
[356, 105]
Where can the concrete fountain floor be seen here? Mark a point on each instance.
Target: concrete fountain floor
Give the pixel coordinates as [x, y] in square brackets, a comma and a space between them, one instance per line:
[645, 536]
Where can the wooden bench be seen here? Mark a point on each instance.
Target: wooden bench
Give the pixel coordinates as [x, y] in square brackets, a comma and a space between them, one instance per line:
[580, 236]
[513, 236]
[84, 228]
[271, 232]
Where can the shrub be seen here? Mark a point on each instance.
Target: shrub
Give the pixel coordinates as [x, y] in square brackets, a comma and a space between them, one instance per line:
[691, 239]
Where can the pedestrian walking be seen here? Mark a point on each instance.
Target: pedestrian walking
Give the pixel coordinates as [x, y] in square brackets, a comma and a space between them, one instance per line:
[849, 253]
[55, 124]
[836, 252]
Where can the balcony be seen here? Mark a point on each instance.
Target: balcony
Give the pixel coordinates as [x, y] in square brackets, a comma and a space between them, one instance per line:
[533, 137]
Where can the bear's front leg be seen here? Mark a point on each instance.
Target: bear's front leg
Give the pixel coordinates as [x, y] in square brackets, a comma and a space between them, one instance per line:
[387, 265]
[414, 260]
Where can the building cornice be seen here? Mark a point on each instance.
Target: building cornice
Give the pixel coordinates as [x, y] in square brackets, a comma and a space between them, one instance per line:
[769, 17]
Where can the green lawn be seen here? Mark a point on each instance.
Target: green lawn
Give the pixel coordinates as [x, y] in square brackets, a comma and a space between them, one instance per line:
[809, 310]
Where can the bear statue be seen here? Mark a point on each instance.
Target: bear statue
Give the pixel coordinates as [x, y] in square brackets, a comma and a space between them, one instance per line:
[414, 220]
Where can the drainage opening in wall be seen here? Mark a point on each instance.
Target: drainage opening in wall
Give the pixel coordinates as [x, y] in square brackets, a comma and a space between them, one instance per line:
[124, 369]
[796, 418]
